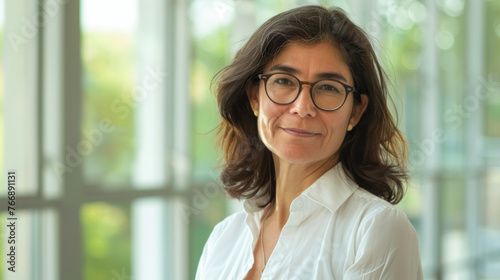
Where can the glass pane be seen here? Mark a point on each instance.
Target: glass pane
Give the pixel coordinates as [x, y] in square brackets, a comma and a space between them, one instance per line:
[398, 28]
[412, 204]
[453, 226]
[207, 207]
[155, 237]
[490, 230]
[106, 241]
[211, 35]
[18, 94]
[2, 15]
[490, 85]
[108, 57]
[490, 233]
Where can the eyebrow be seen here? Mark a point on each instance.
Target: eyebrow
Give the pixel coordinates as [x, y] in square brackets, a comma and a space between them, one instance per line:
[323, 75]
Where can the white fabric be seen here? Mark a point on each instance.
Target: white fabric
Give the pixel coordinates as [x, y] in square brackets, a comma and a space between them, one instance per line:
[336, 230]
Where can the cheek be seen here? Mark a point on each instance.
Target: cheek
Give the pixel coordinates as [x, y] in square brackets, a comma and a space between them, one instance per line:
[336, 129]
[269, 113]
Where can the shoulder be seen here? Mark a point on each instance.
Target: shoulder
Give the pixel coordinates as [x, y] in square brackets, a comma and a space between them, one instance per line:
[384, 242]
[376, 212]
[352, 206]
[373, 206]
[368, 219]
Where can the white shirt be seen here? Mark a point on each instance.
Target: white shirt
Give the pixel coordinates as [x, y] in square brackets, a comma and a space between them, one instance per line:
[336, 230]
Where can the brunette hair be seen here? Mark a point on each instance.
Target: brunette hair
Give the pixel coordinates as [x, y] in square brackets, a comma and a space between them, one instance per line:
[373, 154]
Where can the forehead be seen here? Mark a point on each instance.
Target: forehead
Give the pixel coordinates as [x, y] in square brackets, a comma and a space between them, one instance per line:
[312, 60]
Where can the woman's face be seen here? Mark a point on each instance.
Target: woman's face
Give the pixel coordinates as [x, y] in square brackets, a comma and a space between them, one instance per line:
[300, 132]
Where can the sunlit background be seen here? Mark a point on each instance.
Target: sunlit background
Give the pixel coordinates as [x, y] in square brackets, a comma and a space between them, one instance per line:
[107, 116]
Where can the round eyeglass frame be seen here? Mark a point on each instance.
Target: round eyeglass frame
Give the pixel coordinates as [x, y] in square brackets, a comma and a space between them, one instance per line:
[348, 89]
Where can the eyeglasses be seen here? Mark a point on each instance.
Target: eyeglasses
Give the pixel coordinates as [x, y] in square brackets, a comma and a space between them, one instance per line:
[327, 95]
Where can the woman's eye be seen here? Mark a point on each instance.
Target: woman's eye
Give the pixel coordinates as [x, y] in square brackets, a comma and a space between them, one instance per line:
[283, 81]
[328, 88]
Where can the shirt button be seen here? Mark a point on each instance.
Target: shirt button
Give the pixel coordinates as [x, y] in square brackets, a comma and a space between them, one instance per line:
[300, 204]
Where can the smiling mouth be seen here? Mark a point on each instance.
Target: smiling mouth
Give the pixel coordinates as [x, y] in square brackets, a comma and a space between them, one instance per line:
[299, 132]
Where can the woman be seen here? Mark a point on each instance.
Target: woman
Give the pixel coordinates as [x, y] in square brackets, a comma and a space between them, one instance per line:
[311, 146]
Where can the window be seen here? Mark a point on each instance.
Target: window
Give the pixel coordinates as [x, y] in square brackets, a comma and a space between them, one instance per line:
[109, 120]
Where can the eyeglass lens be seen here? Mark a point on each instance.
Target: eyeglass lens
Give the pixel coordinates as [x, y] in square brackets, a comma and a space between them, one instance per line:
[284, 89]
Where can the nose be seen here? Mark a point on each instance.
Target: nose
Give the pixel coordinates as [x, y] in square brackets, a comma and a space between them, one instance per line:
[304, 105]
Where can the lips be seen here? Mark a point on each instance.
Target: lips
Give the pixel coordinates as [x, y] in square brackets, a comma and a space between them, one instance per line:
[299, 132]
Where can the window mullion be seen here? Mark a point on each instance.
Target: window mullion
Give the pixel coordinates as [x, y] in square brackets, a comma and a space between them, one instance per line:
[475, 65]
[180, 158]
[62, 95]
[149, 216]
[428, 171]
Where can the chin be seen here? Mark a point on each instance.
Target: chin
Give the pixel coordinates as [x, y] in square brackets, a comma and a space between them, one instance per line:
[297, 156]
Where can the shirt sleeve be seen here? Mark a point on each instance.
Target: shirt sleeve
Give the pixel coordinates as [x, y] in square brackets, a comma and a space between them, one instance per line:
[387, 248]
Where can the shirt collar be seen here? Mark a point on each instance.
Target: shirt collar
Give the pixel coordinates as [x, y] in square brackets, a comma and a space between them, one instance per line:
[329, 191]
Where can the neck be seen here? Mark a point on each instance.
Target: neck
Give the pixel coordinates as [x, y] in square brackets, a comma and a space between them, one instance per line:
[291, 181]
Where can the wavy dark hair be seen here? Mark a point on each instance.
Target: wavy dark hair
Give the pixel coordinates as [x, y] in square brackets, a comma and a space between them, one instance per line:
[373, 154]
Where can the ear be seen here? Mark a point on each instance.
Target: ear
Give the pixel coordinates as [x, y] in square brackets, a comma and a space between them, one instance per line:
[253, 95]
[358, 110]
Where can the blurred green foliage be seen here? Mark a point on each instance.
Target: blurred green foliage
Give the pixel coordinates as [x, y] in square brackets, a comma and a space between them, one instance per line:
[106, 240]
[492, 35]
[1, 107]
[108, 60]
[2, 245]
[1, 133]
[209, 55]
[201, 226]
[108, 78]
